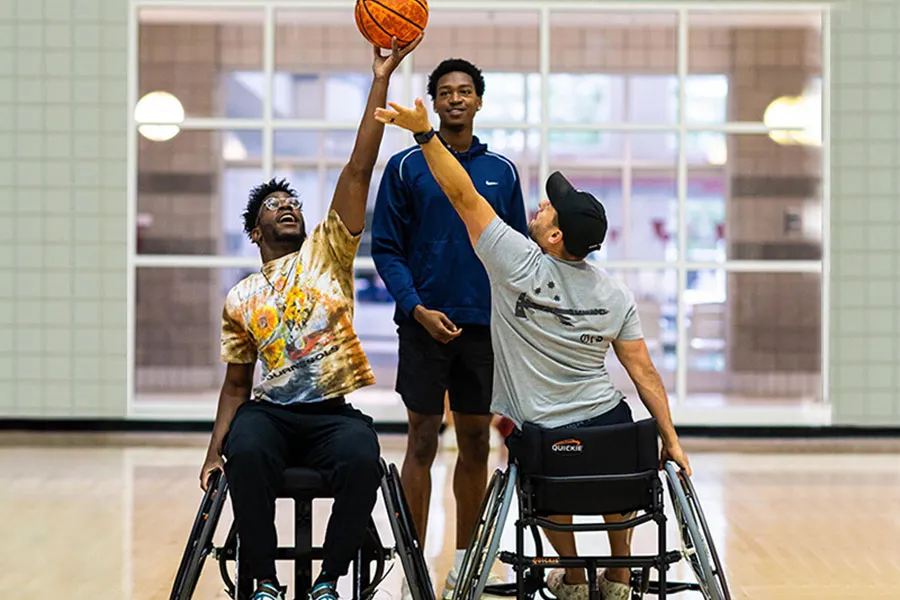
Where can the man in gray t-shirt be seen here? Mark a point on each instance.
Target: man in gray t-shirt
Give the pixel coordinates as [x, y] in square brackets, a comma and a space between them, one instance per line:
[553, 318]
[552, 323]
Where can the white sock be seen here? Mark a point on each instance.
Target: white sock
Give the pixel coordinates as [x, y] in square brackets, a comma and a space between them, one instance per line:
[458, 560]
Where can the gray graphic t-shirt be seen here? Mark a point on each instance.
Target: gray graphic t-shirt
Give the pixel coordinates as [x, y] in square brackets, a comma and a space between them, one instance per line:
[552, 322]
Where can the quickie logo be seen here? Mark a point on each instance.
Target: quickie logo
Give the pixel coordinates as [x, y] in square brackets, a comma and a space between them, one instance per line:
[569, 445]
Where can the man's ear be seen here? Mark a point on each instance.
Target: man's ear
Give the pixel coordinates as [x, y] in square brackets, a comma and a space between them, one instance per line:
[556, 237]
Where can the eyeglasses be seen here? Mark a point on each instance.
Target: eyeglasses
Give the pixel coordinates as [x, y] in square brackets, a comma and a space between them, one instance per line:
[276, 202]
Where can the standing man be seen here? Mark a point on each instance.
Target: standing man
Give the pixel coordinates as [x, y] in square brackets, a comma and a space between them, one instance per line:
[296, 318]
[443, 299]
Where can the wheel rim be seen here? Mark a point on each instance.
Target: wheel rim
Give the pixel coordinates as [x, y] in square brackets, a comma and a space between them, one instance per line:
[694, 546]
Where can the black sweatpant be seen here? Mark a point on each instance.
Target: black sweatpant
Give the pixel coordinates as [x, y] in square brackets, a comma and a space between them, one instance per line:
[337, 441]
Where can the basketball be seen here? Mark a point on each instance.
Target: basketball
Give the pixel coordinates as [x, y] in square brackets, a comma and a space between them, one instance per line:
[379, 20]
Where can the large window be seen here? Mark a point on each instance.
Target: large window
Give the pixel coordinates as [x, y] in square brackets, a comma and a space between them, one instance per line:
[715, 219]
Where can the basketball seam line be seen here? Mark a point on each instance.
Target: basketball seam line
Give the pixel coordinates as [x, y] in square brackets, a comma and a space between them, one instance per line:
[377, 24]
[362, 26]
[425, 8]
[394, 12]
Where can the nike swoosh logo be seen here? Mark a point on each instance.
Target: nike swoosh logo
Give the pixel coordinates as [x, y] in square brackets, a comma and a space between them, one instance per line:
[491, 183]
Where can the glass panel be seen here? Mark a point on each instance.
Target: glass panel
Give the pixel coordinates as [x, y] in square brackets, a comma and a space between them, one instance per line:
[705, 214]
[706, 99]
[755, 199]
[766, 56]
[311, 146]
[613, 67]
[236, 185]
[509, 97]
[520, 146]
[178, 325]
[753, 336]
[578, 98]
[336, 97]
[183, 188]
[197, 54]
[656, 295]
[653, 216]
[504, 45]
[653, 99]
[586, 147]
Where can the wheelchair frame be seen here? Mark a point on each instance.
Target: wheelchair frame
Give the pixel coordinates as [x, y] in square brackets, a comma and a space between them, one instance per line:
[200, 545]
[697, 544]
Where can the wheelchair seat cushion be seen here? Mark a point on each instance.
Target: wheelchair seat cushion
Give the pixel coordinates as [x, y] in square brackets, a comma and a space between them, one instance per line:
[303, 482]
[605, 450]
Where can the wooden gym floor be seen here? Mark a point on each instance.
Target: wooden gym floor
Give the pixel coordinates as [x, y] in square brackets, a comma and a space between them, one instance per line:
[107, 516]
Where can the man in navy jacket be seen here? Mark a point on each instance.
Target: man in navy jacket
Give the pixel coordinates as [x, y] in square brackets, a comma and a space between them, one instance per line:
[442, 297]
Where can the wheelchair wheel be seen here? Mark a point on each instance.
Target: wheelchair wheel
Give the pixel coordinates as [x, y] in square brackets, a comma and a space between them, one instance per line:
[200, 541]
[482, 551]
[699, 549]
[412, 558]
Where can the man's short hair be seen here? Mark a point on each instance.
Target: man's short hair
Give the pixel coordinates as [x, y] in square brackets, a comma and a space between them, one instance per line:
[260, 193]
[453, 65]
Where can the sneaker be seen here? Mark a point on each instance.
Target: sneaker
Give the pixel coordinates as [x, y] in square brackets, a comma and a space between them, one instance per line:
[556, 583]
[323, 591]
[268, 591]
[613, 590]
[450, 585]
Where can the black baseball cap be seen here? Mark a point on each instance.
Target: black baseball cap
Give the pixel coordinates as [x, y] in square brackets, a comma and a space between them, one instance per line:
[582, 219]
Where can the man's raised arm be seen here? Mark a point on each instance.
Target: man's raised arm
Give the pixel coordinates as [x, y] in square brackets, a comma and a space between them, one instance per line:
[352, 189]
[474, 210]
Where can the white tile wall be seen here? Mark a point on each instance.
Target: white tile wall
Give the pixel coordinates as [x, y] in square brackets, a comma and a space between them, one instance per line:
[62, 208]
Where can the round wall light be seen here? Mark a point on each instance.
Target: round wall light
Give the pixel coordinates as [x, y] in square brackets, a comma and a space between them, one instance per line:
[159, 115]
[802, 114]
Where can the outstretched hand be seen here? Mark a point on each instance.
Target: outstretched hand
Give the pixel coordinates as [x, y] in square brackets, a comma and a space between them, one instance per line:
[383, 66]
[412, 119]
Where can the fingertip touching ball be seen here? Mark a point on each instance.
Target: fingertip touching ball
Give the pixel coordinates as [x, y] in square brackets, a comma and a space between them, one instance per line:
[379, 20]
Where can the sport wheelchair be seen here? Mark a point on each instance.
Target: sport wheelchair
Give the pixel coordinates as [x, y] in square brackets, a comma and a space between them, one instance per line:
[303, 486]
[608, 469]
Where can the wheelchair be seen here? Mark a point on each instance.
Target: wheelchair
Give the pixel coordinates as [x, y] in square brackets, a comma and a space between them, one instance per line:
[610, 469]
[303, 486]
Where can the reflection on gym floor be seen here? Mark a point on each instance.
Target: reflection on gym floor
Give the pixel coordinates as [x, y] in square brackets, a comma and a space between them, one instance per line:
[108, 517]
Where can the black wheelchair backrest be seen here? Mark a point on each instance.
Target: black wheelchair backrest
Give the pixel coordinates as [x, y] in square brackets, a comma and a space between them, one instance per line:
[590, 470]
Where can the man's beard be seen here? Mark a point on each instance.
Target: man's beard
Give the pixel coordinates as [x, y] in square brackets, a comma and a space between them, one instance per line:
[290, 237]
[531, 232]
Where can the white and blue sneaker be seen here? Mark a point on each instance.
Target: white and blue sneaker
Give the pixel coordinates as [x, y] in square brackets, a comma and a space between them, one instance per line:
[323, 591]
[268, 591]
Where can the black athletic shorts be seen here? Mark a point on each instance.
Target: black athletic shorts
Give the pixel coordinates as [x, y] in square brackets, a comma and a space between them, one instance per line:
[428, 368]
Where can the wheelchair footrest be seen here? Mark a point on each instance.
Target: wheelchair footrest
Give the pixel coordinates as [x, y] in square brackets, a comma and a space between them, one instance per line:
[673, 587]
[504, 589]
[583, 562]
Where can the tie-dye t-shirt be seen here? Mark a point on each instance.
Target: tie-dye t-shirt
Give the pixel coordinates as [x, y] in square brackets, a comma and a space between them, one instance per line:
[296, 317]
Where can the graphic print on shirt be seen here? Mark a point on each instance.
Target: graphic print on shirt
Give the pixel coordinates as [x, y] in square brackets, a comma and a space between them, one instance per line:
[296, 316]
[524, 305]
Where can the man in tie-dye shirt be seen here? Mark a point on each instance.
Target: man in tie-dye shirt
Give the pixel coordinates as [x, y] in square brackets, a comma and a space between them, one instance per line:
[295, 317]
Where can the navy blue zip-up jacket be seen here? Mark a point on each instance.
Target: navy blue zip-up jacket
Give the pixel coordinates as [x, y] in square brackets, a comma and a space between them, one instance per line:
[420, 245]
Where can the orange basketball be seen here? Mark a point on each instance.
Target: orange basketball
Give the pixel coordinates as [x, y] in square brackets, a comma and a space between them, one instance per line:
[379, 20]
